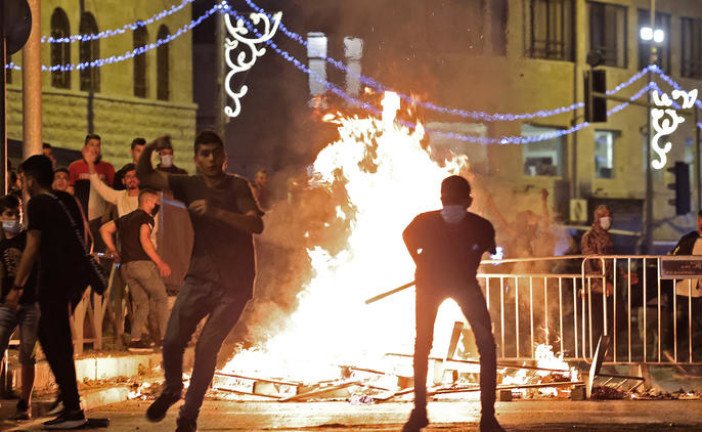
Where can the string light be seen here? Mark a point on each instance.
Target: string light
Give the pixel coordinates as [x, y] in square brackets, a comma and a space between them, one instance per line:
[467, 138]
[129, 54]
[109, 33]
[476, 115]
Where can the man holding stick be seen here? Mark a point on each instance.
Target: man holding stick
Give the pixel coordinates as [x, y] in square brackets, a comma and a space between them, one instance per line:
[447, 245]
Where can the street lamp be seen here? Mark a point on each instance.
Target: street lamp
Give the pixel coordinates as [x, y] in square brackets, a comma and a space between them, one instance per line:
[649, 34]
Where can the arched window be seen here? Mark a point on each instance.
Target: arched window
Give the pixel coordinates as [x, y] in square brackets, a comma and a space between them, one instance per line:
[141, 37]
[89, 51]
[163, 66]
[60, 52]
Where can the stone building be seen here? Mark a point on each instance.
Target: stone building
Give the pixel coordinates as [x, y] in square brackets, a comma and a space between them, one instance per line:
[148, 95]
[497, 56]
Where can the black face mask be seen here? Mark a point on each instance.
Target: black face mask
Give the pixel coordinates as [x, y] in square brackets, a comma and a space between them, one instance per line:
[155, 210]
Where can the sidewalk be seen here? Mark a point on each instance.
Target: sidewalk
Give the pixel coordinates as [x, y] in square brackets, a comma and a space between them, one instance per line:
[103, 377]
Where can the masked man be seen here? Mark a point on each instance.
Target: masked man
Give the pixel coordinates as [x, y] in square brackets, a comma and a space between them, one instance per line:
[447, 246]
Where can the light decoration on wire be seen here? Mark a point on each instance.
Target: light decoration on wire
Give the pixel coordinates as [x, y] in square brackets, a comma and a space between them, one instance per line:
[241, 51]
[114, 32]
[476, 115]
[129, 54]
[467, 138]
[665, 121]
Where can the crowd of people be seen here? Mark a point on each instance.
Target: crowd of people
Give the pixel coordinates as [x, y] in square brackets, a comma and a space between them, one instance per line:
[56, 218]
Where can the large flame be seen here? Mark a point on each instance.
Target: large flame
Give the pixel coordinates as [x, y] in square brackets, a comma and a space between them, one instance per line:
[389, 177]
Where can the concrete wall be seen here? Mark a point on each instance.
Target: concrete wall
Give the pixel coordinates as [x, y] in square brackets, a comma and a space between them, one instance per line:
[117, 115]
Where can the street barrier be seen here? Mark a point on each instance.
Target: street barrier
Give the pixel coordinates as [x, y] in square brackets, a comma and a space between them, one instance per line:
[650, 306]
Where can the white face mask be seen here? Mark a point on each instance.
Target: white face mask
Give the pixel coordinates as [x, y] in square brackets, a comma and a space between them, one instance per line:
[453, 213]
[606, 223]
[167, 161]
[12, 227]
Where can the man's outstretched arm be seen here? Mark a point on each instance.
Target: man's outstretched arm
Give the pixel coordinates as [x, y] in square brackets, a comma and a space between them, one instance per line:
[148, 176]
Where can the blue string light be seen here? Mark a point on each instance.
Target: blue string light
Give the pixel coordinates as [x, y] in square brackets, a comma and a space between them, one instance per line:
[129, 54]
[109, 33]
[476, 115]
[467, 138]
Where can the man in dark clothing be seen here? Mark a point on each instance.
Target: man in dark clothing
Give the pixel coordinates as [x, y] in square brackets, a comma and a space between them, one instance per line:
[54, 240]
[220, 279]
[26, 317]
[447, 245]
[141, 268]
[166, 158]
[690, 241]
[689, 297]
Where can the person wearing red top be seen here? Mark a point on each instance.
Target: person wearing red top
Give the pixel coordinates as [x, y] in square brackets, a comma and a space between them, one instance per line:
[79, 178]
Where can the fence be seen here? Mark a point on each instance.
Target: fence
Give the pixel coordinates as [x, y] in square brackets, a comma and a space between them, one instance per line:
[651, 316]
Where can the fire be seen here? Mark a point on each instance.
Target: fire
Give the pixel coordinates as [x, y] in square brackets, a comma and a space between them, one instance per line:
[550, 365]
[389, 177]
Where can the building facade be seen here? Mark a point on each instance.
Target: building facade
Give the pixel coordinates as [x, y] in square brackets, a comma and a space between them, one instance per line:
[148, 95]
[497, 56]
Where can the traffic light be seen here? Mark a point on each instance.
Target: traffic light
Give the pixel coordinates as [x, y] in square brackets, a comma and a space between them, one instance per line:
[681, 171]
[595, 106]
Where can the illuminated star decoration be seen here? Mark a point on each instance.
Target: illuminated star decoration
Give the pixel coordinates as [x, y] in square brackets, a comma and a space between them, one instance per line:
[241, 52]
[665, 120]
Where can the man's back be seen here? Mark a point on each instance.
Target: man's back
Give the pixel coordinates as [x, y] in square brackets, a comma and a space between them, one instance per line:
[59, 250]
[130, 234]
[449, 252]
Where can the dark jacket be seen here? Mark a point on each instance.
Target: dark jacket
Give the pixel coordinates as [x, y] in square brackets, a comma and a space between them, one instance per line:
[686, 244]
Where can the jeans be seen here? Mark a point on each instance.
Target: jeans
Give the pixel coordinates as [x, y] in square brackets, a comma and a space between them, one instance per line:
[196, 300]
[149, 295]
[27, 318]
[472, 303]
[55, 339]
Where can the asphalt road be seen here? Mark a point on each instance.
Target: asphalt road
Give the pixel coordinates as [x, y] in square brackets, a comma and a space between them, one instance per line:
[526, 416]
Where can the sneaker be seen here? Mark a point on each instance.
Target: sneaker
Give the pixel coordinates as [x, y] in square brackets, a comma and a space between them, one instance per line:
[490, 424]
[67, 420]
[417, 420]
[157, 411]
[139, 346]
[186, 425]
[56, 408]
[23, 412]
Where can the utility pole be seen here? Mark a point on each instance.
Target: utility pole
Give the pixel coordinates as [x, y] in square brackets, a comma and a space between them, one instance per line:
[31, 86]
[648, 214]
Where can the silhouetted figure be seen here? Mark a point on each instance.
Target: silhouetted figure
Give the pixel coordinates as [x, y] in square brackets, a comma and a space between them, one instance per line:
[54, 239]
[447, 246]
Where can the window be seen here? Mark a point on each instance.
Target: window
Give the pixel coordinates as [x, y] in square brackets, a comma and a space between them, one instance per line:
[545, 157]
[89, 51]
[551, 29]
[691, 63]
[163, 66]
[60, 52]
[604, 153]
[316, 52]
[663, 50]
[499, 11]
[141, 37]
[608, 32]
[353, 51]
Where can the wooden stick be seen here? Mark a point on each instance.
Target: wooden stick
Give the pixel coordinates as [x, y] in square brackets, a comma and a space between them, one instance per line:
[389, 293]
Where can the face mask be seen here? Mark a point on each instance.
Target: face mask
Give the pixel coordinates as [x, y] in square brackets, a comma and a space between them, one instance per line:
[12, 227]
[606, 223]
[155, 210]
[453, 213]
[167, 161]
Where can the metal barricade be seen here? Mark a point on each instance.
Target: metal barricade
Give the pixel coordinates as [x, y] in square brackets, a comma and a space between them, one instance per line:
[568, 302]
